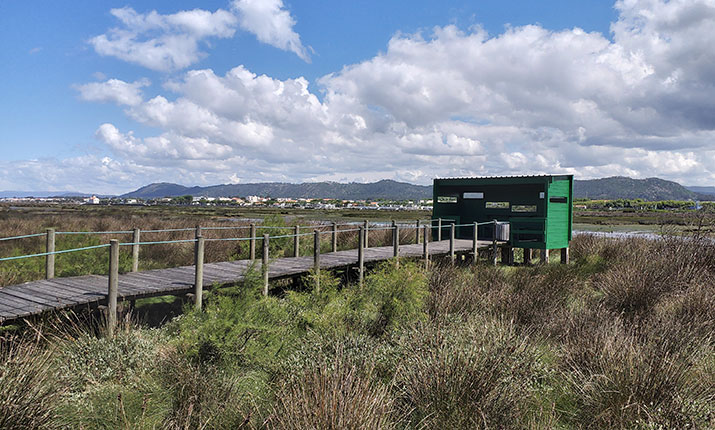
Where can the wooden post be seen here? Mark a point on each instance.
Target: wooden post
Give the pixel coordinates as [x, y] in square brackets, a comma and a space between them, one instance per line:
[112, 286]
[136, 238]
[252, 243]
[264, 264]
[565, 255]
[507, 255]
[50, 258]
[361, 255]
[494, 244]
[545, 256]
[316, 258]
[417, 232]
[527, 256]
[439, 229]
[395, 239]
[198, 272]
[475, 243]
[335, 237]
[296, 241]
[367, 232]
[451, 243]
[425, 244]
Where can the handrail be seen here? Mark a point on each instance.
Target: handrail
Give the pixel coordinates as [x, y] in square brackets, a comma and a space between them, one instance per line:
[389, 227]
[95, 232]
[43, 254]
[22, 237]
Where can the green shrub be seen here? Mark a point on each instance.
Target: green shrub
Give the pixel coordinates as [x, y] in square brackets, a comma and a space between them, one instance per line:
[477, 373]
[392, 297]
[87, 359]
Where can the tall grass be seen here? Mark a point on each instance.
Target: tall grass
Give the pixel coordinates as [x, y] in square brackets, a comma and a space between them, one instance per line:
[622, 338]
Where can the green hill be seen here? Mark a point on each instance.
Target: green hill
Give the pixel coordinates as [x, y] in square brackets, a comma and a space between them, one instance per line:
[385, 189]
[617, 187]
[620, 187]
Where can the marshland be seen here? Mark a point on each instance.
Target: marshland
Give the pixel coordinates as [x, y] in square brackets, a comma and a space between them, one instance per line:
[620, 338]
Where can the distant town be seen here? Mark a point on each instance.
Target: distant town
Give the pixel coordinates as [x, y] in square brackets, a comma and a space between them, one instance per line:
[247, 201]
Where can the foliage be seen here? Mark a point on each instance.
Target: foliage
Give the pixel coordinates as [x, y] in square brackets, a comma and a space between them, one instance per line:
[622, 338]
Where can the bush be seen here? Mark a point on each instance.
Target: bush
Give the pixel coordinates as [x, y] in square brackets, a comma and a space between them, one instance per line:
[206, 396]
[392, 297]
[333, 394]
[474, 374]
[29, 390]
[622, 378]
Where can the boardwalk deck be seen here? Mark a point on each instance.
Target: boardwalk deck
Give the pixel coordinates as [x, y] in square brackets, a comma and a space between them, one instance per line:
[32, 298]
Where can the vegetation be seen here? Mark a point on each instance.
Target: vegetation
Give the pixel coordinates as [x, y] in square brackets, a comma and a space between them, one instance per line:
[622, 338]
[95, 261]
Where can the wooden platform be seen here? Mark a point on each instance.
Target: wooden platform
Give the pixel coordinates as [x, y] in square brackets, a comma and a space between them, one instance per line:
[32, 298]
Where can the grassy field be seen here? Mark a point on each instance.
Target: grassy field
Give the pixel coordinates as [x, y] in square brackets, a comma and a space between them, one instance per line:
[35, 219]
[622, 338]
[20, 220]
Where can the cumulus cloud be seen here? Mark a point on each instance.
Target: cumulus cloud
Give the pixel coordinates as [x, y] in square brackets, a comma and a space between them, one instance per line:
[163, 42]
[452, 102]
[113, 90]
[172, 42]
[271, 23]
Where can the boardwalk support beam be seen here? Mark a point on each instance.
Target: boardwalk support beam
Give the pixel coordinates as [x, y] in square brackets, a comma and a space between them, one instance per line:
[112, 287]
[366, 225]
[544, 256]
[395, 241]
[252, 243]
[439, 229]
[361, 255]
[425, 245]
[475, 243]
[451, 243]
[136, 238]
[564, 256]
[494, 244]
[264, 264]
[335, 237]
[50, 258]
[316, 258]
[417, 232]
[296, 241]
[198, 272]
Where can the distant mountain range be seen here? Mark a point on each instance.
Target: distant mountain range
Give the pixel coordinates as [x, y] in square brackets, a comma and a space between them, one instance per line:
[620, 187]
[616, 187]
[385, 189]
[606, 188]
[703, 190]
[41, 194]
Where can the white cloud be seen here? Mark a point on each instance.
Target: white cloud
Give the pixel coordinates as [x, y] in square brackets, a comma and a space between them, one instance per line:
[163, 42]
[452, 103]
[271, 23]
[172, 42]
[113, 90]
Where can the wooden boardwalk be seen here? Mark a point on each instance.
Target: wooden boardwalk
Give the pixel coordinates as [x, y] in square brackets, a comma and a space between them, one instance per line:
[32, 298]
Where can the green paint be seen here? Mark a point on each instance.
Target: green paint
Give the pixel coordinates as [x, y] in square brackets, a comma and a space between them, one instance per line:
[505, 199]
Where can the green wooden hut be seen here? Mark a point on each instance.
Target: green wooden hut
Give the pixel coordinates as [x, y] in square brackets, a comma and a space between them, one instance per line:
[538, 208]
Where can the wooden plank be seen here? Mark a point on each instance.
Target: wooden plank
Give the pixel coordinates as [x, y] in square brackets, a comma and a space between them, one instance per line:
[12, 301]
[56, 285]
[41, 301]
[65, 297]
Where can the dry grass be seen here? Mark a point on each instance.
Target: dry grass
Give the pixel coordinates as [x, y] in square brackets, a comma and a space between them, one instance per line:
[333, 395]
[29, 390]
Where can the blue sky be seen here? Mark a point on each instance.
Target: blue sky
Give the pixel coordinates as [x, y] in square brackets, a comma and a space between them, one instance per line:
[108, 96]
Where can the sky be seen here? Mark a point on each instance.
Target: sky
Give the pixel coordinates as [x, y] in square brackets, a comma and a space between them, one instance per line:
[105, 96]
